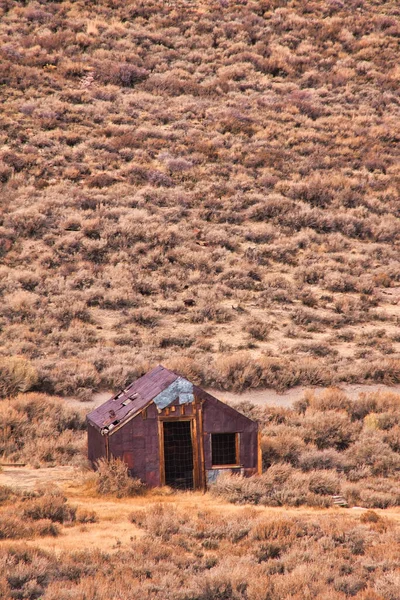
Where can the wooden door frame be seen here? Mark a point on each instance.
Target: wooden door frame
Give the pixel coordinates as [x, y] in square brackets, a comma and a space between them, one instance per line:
[198, 479]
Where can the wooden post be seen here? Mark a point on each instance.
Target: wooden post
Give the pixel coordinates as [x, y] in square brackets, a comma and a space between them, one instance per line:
[203, 483]
[161, 453]
[237, 448]
[195, 447]
[107, 443]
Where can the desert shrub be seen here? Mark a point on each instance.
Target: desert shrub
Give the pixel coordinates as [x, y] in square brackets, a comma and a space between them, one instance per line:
[41, 429]
[14, 526]
[101, 180]
[145, 318]
[315, 191]
[280, 485]
[349, 584]
[313, 458]
[28, 514]
[258, 330]
[330, 429]
[52, 505]
[362, 406]
[324, 483]
[330, 399]
[383, 371]
[162, 521]
[171, 341]
[113, 479]
[187, 367]
[392, 437]
[238, 372]
[69, 377]
[6, 493]
[16, 375]
[372, 452]
[388, 585]
[211, 312]
[370, 516]
[83, 515]
[284, 446]
[382, 421]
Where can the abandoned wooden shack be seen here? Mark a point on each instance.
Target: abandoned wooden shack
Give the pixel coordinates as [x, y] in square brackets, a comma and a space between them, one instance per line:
[171, 432]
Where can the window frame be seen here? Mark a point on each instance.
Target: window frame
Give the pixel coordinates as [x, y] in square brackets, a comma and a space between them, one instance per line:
[237, 450]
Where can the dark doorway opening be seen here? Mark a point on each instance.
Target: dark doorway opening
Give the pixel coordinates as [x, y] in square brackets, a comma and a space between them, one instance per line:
[178, 454]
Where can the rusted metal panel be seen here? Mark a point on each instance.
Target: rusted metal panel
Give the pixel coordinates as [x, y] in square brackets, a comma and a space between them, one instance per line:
[127, 457]
[207, 450]
[153, 478]
[213, 403]
[219, 417]
[138, 443]
[249, 449]
[96, 445]
[152, 412]
[202, 467]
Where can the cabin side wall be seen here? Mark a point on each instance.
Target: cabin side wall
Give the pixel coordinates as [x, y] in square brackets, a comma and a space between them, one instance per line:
[96, 444]
[221, 418]
[136, 443]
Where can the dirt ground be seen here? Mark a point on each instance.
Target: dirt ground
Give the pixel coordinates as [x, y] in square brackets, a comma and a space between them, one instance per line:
[27, 478]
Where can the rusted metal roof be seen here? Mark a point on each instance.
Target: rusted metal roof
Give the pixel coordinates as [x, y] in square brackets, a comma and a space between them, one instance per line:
[131, 400]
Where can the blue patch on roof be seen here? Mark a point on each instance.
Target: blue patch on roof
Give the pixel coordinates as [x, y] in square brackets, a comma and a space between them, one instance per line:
[180, 388]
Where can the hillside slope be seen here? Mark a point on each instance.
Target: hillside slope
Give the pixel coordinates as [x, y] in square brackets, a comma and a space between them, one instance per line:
[186, 181]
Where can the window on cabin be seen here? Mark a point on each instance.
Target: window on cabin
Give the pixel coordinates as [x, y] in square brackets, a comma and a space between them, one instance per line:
[224, 449]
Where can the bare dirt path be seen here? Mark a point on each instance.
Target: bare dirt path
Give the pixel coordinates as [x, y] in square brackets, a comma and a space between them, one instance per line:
[270, 397]
[266, 397]
[28, 478]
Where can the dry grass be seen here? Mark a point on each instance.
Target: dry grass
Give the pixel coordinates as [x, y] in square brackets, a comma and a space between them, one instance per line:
[28, 514]
[191, 546]
[181, 166]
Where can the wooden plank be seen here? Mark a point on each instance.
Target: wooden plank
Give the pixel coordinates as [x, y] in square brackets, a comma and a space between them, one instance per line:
[201, 448]
[195, 446]
[259, 453]
[161, 446]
